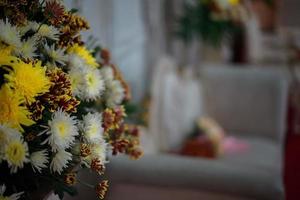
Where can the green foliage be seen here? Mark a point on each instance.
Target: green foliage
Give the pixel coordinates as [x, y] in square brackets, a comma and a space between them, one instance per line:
[134, 113]
[197, 21]
[60, 188]
[73, 10]
[270, 3]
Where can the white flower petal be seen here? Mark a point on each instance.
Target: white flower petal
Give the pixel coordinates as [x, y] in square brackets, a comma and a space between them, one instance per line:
[60, 161]
[114, 93]
[9, 34]
[62, 130]
[38, 160]
[57, 55]
[92, 127]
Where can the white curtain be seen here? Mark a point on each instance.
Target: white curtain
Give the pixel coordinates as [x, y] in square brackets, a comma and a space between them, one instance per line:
[128, 46]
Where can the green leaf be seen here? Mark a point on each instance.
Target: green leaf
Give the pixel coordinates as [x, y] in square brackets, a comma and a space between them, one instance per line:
[60, 188]
[197, 21]
[60, 193]
[73, 10]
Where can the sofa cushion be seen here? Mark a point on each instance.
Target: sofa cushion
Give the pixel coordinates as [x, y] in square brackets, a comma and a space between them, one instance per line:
[246, 100]
[254, 174]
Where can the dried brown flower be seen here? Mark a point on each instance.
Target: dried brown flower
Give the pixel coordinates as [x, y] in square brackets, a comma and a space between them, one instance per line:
[108, 120]
[13, 11]
[60, 93]
[97, 166]
[71, 25]
[119, 76]
[119, 114]
[54, 12]
[30, 137]
[102, 188]
[70, 179]
[119, 146]
[85, 150]
[135, 153]
[36, 108]
[105, 55]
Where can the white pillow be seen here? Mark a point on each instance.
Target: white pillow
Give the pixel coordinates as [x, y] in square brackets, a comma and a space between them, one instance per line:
[176, 103]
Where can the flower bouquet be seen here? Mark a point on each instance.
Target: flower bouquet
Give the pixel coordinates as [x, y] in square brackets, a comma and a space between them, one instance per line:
[61, 104]
[210, 20]
[205, 140]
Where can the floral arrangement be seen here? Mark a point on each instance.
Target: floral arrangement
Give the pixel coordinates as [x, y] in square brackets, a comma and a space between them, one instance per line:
[61, 104]
[209, 140]
[210, 20]
[206, 139]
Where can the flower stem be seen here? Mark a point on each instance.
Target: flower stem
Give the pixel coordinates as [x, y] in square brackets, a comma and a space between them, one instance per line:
[86, 184]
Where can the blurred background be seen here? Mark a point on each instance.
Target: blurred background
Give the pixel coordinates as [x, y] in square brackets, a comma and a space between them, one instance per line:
[215, 89]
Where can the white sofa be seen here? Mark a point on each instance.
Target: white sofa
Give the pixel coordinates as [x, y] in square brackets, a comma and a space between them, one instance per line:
[250, 104]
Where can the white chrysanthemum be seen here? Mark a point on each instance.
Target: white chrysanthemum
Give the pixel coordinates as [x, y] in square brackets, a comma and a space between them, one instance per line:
[49, 32]
[30, 25]
[16, 154]
[62, 130]
[44, 31]
[92, 127]
[75, 61]
[87, 83]
[38, 160]
[114, 93]
[107, 73]
[60, 161]
[76, 75]
[24, 29]
[28, 48]
[7, 134]
[99, 151]
[14, 196]
[94, 84]
[56, 55]
[9, 34]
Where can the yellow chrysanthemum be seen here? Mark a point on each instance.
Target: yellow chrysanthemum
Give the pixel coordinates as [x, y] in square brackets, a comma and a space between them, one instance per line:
[84, 54]
[28, 79]
[11, 112]
[234, 2]
[5, 52]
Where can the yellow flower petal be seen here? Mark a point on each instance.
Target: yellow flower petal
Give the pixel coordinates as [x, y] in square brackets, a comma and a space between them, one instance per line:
[11, 111]
[28, 79]
[83, 53]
